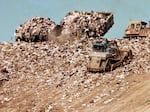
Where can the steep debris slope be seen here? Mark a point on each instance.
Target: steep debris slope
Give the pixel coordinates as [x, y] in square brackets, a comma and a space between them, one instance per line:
[49, 76]
[141, 52]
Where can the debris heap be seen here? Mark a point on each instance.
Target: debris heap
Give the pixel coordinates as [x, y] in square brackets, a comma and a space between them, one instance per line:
[35, 29]
[141, 51]
[58, 72]
[89, 24]
[75, 23]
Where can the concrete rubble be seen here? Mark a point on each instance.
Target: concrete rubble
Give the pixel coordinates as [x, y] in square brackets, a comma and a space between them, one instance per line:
[64, 67]
[35, 29]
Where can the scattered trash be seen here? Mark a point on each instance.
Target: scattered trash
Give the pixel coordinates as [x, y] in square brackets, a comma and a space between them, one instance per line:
[34, 30]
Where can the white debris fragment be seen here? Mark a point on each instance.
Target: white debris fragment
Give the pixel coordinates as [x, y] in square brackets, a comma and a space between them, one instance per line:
[108, 101]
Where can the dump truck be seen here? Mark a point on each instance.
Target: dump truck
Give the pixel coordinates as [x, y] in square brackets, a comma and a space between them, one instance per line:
[108, 21]
[106, 56]
[137, 29]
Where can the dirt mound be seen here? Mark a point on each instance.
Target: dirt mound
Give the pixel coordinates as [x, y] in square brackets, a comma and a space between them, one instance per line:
[50, 76]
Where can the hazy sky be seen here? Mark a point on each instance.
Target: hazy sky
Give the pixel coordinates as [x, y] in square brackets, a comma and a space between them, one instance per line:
[15, 12]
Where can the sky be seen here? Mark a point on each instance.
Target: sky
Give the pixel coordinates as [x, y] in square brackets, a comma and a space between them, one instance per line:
[15, 12]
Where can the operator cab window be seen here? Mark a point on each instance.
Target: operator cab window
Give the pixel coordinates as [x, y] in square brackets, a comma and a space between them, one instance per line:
[138, 26]
[97, 48]
[132, 26]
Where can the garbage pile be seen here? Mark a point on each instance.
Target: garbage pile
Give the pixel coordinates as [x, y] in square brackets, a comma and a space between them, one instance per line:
[68, 58]
[141, 52]
[75, 23]
[35, 29]
[88, 24]
[62, 69]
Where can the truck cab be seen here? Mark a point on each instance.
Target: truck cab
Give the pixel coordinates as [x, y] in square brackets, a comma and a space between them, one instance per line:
[136, 29]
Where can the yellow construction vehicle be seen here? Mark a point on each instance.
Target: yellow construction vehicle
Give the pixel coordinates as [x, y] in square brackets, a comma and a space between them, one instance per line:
[137, 29]
[106, 56]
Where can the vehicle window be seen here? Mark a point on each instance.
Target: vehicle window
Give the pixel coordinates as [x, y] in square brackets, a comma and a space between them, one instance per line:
[132, 26]
[101, 49]
[138, 26]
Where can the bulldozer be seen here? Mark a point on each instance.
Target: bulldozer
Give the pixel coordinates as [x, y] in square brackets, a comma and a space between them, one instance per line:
[106, 56]
[137, 29]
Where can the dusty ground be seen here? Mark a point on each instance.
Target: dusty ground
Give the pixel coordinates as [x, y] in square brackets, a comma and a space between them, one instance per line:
[136, 98]
[46, 77]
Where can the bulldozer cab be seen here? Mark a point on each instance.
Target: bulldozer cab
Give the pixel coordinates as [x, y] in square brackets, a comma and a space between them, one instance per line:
[100, 46]
[135, 27]
[106, 46]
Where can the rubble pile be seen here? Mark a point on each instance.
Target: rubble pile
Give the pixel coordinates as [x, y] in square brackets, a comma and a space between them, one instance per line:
[141, 51]
[35, 29]
[64, 67]
[75, 23]
[83, 23]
